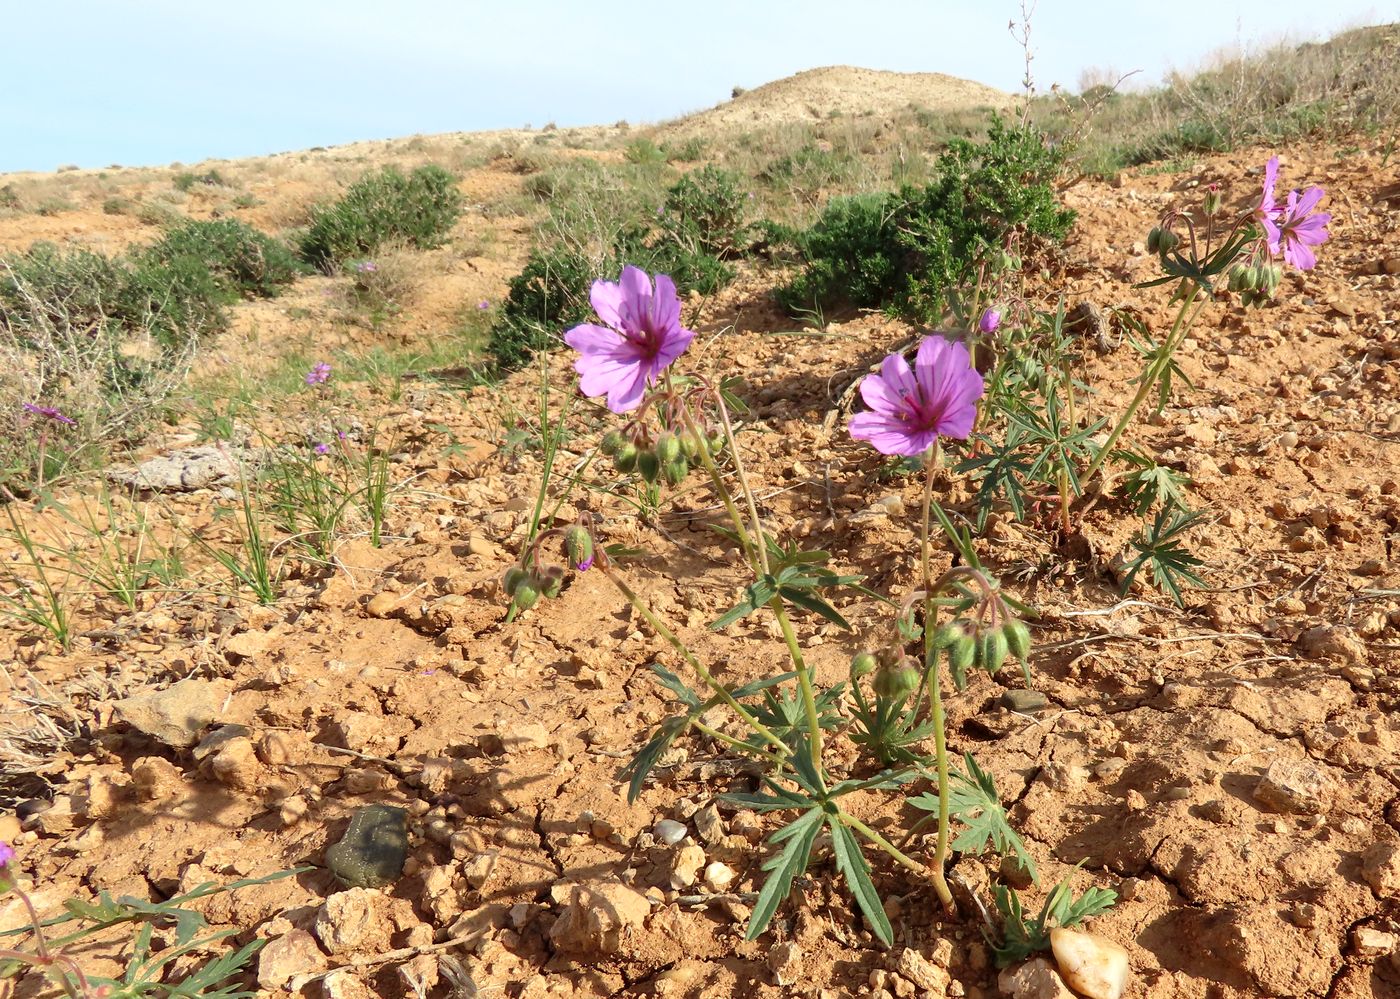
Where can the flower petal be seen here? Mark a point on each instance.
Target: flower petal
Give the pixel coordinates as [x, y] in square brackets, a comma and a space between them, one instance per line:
[888, 435]
[589, 339]
[636, 299]
[606, 297]
[665, 304]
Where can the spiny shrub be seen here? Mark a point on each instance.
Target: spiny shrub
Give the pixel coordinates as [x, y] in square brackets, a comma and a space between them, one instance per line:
[239, 259]
[419, 209]
[902, 250]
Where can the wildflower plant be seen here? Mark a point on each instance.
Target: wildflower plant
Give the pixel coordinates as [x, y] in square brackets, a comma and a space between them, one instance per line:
[171, 969]
[892, 701]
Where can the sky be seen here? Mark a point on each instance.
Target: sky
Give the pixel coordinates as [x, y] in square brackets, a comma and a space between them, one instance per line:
[93, 83]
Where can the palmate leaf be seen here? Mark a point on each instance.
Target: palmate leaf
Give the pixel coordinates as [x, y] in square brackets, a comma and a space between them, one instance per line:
[1150, 484]
[1162, 552]
[798, 837]
[650, 754]
[1020, 938]
[852, 865]
[974, 801]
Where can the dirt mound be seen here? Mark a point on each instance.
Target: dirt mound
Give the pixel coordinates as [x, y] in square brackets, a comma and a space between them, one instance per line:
[832, 91]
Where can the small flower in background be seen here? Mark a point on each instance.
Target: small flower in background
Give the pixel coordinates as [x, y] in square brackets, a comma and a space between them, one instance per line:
[7, 853]
[366, 267]
[909, 410]
[319, 374]
[484, 304]
[989, 321]
[322, 448]
[48, 413]
[1295, 228]
[642, 337]
[340, 435]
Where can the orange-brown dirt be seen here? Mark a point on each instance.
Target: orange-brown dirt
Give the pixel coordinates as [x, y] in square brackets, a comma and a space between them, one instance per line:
[393, 678]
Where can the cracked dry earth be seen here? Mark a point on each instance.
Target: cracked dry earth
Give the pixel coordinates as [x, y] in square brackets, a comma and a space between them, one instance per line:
[1230, 769]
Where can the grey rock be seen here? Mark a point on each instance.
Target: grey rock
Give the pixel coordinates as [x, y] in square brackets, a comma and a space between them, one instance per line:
[176, 715]
[185, 470]
[372, 851]
[1026, 702]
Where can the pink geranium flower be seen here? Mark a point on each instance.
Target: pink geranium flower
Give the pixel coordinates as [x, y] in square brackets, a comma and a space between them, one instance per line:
[1294, 229]
[910, 409]
[642, 336]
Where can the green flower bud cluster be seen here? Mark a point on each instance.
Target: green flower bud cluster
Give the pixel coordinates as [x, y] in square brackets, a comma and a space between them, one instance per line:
[968, 647]
[1256, 283]
[668, 458]
[526, 586]
[897, 681]
[1161, 240]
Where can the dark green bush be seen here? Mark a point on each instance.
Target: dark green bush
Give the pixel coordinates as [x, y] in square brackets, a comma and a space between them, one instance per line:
[906, 251]
[77, 288]
[380, 207]
[707, 209]
[240, 260]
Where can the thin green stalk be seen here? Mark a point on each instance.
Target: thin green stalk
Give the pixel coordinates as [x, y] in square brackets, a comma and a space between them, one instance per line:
[721, 691]
[1149, 378]
[721, 490]
[899, 856]
[935, 691]
[771, 759]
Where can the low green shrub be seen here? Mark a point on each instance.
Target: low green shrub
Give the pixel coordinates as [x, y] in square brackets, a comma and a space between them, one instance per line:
[240, 260]
[419, 208]
[903, 250]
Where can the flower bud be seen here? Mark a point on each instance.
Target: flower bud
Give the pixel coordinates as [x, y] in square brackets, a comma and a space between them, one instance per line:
[1212, 202]
[578, 546]
[1167, 241]
[668, 448]
[649, 465]
[676, 471]
[526, 596]
[690, 445]
[961, 655]
[945, 636]
[1154, 239]
[1018, 638]
[611, 443]
[989, 321]
[551, 580]
[992, 650]
[716, 443]
[512, 579]
[862, 664]
[896, 683]
[626, 458]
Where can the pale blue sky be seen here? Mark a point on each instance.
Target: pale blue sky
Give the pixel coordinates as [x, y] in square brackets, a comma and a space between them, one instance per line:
[138, 82]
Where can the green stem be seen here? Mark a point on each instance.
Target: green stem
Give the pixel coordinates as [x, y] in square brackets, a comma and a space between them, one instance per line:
[1149, 378]
[735, 517]
[750, 500]
[721, 691]
[935, 692]
[773, 760]
[884, 844]
[804, 683]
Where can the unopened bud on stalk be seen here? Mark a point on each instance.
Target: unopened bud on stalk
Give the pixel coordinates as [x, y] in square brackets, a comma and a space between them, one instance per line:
[945, 636]
[526, 596]
[961, 655]
[992, 650]
[551, 580]
[690, 444]
[862, 664]
[1018, 638]
[675, 471]
[716, 443]
[626, 458]
[512, 579]
[578, 546]
[898, 682]
[649, 465]
[1212, 201]
[668, 448]
[611, 443]
[989, 321]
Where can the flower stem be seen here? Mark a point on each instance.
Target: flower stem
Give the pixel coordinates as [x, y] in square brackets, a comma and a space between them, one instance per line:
[721, 691]
[884, 844]
[1149, 378]
[721, 490]
[804, 683]
[771, 759]
[935, 692]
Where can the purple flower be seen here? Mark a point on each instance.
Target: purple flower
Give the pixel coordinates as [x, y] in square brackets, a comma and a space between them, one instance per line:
[642, 337]
[48, 412]
[1297, 228]
[7, 854]
[322, 448]
[1267, 209]
[909, 410]
[989, 321]
[585, 564]
[319, 374]
[366, 267]
[484, 304]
